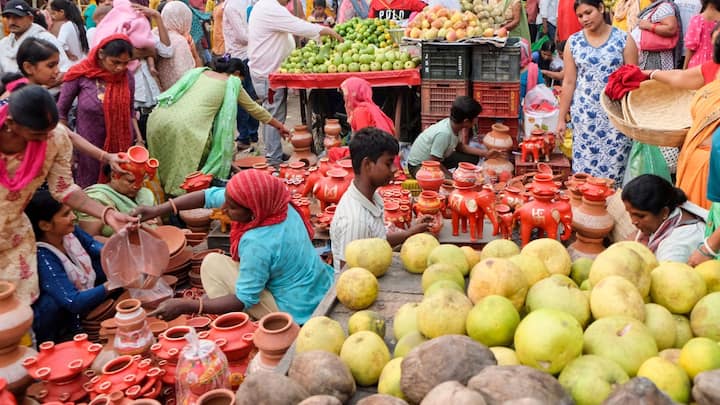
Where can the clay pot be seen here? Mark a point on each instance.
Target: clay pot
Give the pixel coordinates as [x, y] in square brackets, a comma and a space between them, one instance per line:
[282, 170]
[428, 203]
[13, 371]
[330, 189]
[445, 190]
[394, 216]
[301, 140]
[232, 332]
[430, 177]
[196, 181]
[498, 167]
[545, 213]
[276, 332]
[332, 131]
[137, 157]
[133, 335]
[313, 176]
[543, 182]
[198, 217]
[324, 165]
[15, 318]
[465, 175]
[201, 371]
[64, 361]
[498, 138]
[592, 220]
[67, 391]
[220, 396]
[123, 373]
[346, 164]
[597, 189]
[151, 167]
[6, 397]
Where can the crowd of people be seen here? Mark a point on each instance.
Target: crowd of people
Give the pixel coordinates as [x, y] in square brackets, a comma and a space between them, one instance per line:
[81, 84]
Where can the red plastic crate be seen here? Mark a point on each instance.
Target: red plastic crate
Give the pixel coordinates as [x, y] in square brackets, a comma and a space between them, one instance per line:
[497, 99]
[437, 96]
[485, 125]
[428, 119]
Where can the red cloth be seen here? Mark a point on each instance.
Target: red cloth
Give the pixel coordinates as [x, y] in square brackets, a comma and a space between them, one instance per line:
[394, 9]
[709, 71]
[338, 153]
[117, 104]
[405, 77]
[567, 22]
[265, 196]
[624, 80]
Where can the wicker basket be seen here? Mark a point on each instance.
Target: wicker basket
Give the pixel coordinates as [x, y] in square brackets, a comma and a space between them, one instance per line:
[614, 111]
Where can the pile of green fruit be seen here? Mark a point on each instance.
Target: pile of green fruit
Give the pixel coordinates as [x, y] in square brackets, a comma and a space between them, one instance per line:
[367, 47]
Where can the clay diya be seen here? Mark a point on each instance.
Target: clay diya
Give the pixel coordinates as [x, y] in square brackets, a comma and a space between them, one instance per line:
[64, 361]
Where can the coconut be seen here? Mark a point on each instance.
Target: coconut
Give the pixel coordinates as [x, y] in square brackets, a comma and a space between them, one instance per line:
[452, 392]
[638, 390]
[381, 399]
[505, 383]
[706, 388]
[323, 373]
[270, 388]
[321, 400]
[446, 358]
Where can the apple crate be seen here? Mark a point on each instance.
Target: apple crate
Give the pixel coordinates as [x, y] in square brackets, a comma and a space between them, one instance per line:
[437, 96]
[493, 64]
[559, 163]
[497, 99]
[429, 119]
[445, 61]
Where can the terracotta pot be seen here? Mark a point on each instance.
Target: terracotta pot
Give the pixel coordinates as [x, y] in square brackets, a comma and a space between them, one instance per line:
[198, 217]
[324, 165]
[332, 131]
[133, 335]
[330, 189]
[597, 189]
[122, 373]
[200, 372]
[498, 138]
[6, 397]
[151, 167]
[15, 318]
[276, 332]
[67, 391]
[428, 203]
[505, 219]
[220, 396]
[394, 216]
[232, 332]
[465, 175]
[13, 371]
[63, 361]
[512, 197]
[498, 167]
[445, 190]
[543, 182]
[585, 247]
[282, 170]
[346, 164]
[430, 177]
[196, 181]
[301, 140]
[592, 220]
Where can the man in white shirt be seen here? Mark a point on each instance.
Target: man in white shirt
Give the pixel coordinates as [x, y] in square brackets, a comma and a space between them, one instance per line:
[270, 41]
[547, 18]
[19, 18]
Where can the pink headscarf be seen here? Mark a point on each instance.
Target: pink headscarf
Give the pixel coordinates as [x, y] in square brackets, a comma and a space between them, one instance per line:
[358, 94]
[33, 159]
[526, 61]
[123, 19]
[177, 18]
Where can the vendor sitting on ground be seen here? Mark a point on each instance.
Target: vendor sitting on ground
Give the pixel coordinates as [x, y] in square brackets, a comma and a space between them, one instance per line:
[72, 282]
[668, 224]
[123, 193]
[360, 213]
[278, 269]
[441, 141]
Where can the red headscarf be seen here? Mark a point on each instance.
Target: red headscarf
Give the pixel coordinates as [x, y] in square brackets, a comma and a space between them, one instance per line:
[265, 196]
[358, 94]
[117, 104]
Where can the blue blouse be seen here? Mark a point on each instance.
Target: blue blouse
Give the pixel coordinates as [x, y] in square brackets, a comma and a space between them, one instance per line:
[59, 307]
[280, 258]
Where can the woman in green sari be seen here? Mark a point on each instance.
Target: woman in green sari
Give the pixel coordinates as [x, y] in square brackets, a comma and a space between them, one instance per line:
[516, 21]
[193, 126]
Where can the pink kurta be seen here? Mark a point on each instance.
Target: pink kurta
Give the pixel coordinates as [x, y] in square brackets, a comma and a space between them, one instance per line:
[18, 262]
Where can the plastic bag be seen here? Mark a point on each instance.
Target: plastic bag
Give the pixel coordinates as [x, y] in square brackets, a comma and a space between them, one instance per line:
[128, 255]
[539, 43]
[541, 99]
[646, 159]
[202, 367]
[152, 295]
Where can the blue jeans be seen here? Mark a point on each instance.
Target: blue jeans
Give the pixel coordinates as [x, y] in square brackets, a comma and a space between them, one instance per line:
[247, 126]
[277, 107]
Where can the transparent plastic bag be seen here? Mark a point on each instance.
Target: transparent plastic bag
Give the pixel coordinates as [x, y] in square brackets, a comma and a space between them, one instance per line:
[646, 159]
[129, 254]
[202, 367]
[153, 292]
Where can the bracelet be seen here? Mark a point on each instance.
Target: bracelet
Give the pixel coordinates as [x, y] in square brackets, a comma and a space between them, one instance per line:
[200, 307]
[703, 252]
[102, 156]
[652, 74]
[174, 207]
[104, 213]
[709, 249]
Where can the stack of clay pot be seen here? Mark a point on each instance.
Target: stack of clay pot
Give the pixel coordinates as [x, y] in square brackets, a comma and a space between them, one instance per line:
[195, 263]
[92, 323]
[15, 321]
[301, 141]
[134, 376]
[275, 333]
[233, 333]
[498, 140]
[197, 220]
[63, 369]
[133, 335]
[591, 221]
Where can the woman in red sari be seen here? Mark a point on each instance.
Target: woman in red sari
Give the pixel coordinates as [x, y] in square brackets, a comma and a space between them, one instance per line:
[361, 110]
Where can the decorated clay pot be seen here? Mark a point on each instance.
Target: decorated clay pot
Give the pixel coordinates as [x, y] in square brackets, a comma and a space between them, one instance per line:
[220, 396]
[597, 189]
[430, 177]
[544, 213]
[301, 140]
[15, 317]
[543, 182]
[394, 216]
[133, 335]
[282, 170]
[324, 165]
[330, 189]
[63, 361]
[445, 190]
[233, 334]
[498, 138]
[465, 175]
[346, 164]
[498, 167]
[332, 133]
[168, 348]
[200, 371]
[276, 332]
[512, 196]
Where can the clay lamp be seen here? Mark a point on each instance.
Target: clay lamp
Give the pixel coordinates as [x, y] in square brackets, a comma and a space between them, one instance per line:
[64, 361]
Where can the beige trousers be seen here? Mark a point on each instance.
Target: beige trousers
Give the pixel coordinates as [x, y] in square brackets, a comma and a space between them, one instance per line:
[219, 275]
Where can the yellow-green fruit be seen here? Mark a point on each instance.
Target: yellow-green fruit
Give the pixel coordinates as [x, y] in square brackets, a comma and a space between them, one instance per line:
[683, 331]
[498, 277]
[590, 379]
[442, 271]
[505, 356]
[415, 251]
[533, 268]
[372, 254]
[623, 262]
[492, 321]
[699, 354]
[499, 248]
[580, 269]
[365, 354]
[662, 325]
[443, 284]
[552, 253]
[356, 288]
[389, 382]
[710, 272]
[559, 292]
[705, 317]
[615, 295]
[449, 254]
[677, 287]
[408, 342]
[622, 339]
[367, 320]
[405, 320]
[548, 339]
[471, 255]
[585, 286]
[668, 377]
[671, 355]
[443, 313]
[643, 251]
[320, 333]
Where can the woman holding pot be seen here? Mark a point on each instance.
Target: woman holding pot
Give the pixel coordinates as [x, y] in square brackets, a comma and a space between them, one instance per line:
[278, 267]
[34, 150]
[72, 282]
